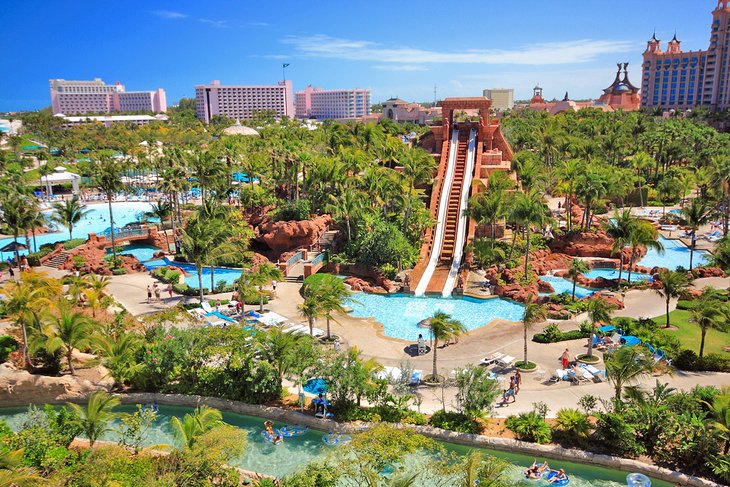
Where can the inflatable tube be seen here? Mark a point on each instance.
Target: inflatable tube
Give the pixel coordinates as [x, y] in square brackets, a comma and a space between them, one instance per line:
[539, 477]
[290, 430]
[271, 438]
[552, 475]
[152, 407]
[638, 480]
[336, 439]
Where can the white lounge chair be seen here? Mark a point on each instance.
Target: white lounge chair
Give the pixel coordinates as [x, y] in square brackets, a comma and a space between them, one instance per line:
[491, 358]
[506, 360]
[207, 307]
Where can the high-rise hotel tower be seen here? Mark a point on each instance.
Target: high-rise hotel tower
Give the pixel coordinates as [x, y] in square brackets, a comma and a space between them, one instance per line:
[676, 79]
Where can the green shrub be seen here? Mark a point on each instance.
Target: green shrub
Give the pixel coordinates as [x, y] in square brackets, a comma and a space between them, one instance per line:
[294, 211]
[450, 420]
[618, 435]
[389, 271]
[166, 274]
[119, 271]
[186, 290]
[314, 474]
[552, 334]
[690, 361]
[573, 423]
[685, 304]
[8, 345]
[78, 261]
[72, 244]
[530, 427]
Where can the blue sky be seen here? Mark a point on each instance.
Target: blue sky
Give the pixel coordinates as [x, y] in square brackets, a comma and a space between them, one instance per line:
[394, 48]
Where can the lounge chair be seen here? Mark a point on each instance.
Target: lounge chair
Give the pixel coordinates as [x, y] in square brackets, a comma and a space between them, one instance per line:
[416, 377]
[506, 361]
[630, 340]
[715, 238]
[559, 375]
[421, 346]
[207, 307]
[598, 375]
[491, 358]
[714, 234]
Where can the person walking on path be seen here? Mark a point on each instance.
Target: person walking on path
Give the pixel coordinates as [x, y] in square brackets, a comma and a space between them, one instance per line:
[169, 290]
[565, 359]
[518, 381]
[149, 294]
[156, 288]
[273, 285]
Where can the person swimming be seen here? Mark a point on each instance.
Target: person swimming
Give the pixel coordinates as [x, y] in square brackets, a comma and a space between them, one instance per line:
[558, 477]
[275, 437]
[536, 470]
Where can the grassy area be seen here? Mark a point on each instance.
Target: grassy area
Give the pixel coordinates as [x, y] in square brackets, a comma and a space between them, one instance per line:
[689, 333]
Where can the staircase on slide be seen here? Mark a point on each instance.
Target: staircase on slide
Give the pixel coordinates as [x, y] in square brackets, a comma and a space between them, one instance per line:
[450, 234]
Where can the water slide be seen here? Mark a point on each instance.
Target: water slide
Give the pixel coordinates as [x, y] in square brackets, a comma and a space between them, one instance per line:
[463, 224]
[438, 236]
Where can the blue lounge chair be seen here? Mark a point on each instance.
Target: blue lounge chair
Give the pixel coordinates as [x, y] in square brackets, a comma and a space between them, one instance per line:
[606, 329]
[630, 340]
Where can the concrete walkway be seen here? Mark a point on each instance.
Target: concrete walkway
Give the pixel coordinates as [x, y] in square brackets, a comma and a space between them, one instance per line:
[501, 336]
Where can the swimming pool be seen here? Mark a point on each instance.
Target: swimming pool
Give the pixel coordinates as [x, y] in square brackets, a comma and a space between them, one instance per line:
[676, 254]
[610, 274]
[562, 285]
[227, 274]
[96, 221]
[141, 251]
[295, 452]
[400, 313]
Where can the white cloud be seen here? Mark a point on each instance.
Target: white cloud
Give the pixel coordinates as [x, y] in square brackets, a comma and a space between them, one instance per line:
[566, 52]
[218, 24]
[169, 14]
[400, 67]
[258, 24]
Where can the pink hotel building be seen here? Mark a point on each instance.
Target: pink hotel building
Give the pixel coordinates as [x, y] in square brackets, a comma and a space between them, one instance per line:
[332, 104]
[95, 96]
[242, 102]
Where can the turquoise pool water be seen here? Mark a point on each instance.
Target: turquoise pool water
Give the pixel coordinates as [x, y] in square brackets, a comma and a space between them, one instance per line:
[96, 221]
[295, 452]
[400, 313]
[142, 252]
[221, 273]
[562, 285]
[676, 254]
[613, 274]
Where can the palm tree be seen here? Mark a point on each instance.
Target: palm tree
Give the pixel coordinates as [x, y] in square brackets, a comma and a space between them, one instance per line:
[696, 214]
[673, 286]
[534, 313]
[346, 208]
[195, 424]
[591, 188]
[623, 367]
[599, 311]
[641, 162]
[530, 209]
[262, 276]
[620, 228]
[568, 173]
[711, 313]
[13, 219]
[69, 331]
[95, 419]
[107, 177]
[280, 350]
[68, 213]
[418, 166]
[162, 210]
[332, 292]
[720, 413]
[577, 267]
[118, 352]
[311, 309]
[197, 239]
[26, 300]
[643, 234]
[442, 327]
[13, 474]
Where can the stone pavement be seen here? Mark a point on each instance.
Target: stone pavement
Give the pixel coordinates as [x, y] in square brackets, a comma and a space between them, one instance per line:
[502, 336]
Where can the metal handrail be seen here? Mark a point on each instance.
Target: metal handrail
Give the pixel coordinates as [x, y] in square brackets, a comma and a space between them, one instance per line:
[320, 258]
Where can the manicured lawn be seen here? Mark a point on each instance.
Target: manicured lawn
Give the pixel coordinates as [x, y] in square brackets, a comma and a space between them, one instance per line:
[689, 333]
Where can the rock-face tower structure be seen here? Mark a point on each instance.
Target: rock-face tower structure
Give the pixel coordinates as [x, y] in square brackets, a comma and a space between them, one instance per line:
[677, 79]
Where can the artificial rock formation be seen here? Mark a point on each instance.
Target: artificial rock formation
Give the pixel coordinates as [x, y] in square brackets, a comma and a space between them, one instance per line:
[284, 236]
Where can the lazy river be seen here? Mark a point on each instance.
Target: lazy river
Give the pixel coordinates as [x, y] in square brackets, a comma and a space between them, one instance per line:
[295, 452]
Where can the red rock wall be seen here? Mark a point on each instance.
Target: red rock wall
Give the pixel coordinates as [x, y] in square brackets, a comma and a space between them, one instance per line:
[284, 236]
